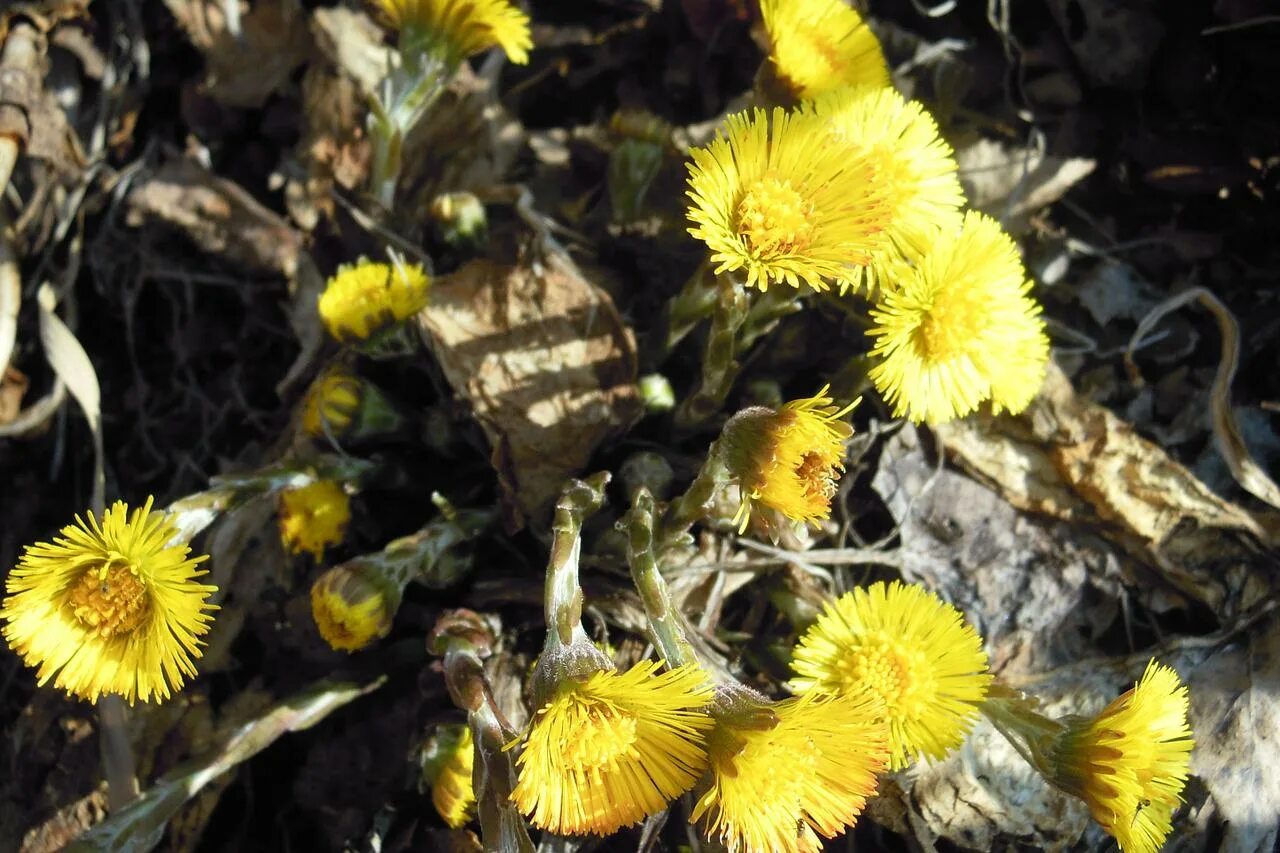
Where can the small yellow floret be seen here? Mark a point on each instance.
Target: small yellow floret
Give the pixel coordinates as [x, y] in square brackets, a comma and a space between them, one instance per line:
[331, 403]
[959, 327]
[910, 648]
[819, 45]
[110, 607]
[777, 789]
[367, 297]
[352, 606]
[609, 751]
[465, 27]
[313, 517]
[452, 793]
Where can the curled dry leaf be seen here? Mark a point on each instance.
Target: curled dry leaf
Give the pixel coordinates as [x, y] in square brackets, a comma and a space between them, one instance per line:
[545, 361]
[1013, 182]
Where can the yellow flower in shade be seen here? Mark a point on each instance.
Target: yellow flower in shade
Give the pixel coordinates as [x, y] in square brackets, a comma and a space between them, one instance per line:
[110, 607]
[818, 45]
[353, 605]
[910, 648]
[776, 789]
[464, 27]
[959, 327]
[1130, 763]
[367, 297]
[609, 751]
[776, 197]
[790, 459]
[912, 162]
[451, 792]
[313, 517]
[331, 403]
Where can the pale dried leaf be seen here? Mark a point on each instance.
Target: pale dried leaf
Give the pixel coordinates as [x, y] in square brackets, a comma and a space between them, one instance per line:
[72, 365]
[1013, 182]
[546, 363]
[353, 43]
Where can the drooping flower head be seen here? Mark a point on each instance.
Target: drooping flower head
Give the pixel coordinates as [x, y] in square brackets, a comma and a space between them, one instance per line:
[911, 649]
[354, 604]
[608, 751]
[777, 197]
[790, 459]
[451, 791]
[913, 165]
[1130, 763]
[364, 298]
[313, 517]
[777, 784]
[463, 27]
[110, 606]
[818, 45]
[331, 403]
[959, 327]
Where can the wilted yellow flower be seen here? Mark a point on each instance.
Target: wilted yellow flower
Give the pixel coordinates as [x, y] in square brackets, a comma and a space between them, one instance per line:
[789, 459]
[451, 792]
[910, 648]
[110, 607]
[959, 327]
[353, 605]
[819, 45]
[1130, 763]
[367, 297]
[313, 517]
[331, 403]
[464, 27]
[776, 789]
[913, 164]
[778, 198]
[609, 751]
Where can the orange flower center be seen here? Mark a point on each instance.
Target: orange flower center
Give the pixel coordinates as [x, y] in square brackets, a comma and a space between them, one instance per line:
[817, 475]
[110, 600]
[774, 219]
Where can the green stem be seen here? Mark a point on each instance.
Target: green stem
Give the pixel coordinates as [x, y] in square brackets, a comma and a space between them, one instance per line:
[695, 503]
[694, 303]
[719, 368]
[118, 764]
[563, 599]
[664, 620]
[1030, 733]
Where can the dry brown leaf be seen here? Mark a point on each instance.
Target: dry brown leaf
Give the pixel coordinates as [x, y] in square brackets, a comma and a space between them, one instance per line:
[546, 362]
[1012, 182]
[1074, 460]
[67, 824]
[242, 72]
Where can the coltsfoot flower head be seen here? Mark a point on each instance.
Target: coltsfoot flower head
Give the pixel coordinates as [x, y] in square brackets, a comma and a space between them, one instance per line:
[110, 606]
[331, 403]
[367, 297]
[354, 604]
[777, 785]
[818, 45]
[464, 27]
[959, 327]
[910, 648]
[788, 459]
[609, 750]
[313, 517]
[913, 164]
[451, 791]
[777, 197]
[1130, 763]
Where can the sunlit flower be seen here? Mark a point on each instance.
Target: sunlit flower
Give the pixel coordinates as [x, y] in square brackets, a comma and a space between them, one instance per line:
[353, 605]
[613, 749]
[331, 403]
[110, 607]
[1130, 763]
[313, 517]
[910, 648]
[913, 164]
[452, 793]
[788, 459]
[959, 327]
[464, 27]
[776, 197]
[367, 297]
[777, 788]
[818, 45]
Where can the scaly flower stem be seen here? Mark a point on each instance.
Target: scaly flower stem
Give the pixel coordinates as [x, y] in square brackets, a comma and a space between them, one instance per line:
[664, 620]
[766, 310]
[1029, 732]
[695, 503]
[694, 303]
[719, 368]
[563, 599]
[407, 92]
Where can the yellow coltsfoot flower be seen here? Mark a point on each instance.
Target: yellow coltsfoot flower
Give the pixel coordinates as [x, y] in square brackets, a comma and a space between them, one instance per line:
[910, 648]
[801, 772]
[958, 327]
[775, 196]
[788, 459]
[463, 27]
[110, 607]
[815, 46]
[451, 792]
[610, 750]
[1130, 763]
[364, 298]
[353, 605]
[313, 517]
[331, 403]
